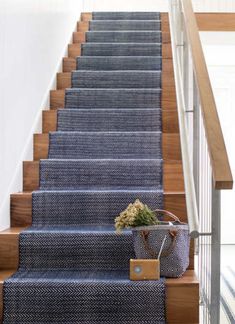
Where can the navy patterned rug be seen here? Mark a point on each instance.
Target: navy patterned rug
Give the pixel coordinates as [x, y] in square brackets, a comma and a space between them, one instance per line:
[73, 267]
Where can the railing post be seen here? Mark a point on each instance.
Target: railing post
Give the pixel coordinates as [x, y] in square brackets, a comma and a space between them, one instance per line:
[196, 139]
[215, 255]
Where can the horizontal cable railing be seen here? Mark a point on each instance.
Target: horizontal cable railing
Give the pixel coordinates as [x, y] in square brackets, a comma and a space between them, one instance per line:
[205, 162]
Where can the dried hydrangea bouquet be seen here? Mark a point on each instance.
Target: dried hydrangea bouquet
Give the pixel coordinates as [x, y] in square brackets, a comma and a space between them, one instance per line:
[136, 214]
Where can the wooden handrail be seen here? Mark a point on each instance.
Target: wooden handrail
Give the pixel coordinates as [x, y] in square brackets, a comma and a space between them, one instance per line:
[221, 171]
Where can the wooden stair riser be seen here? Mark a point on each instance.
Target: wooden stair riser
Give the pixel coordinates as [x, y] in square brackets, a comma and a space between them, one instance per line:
[181, 294]
[86, 16]
[170, 146]
[80, 37]
[57, 98]
[83, 26]
[9, 249]
[74, 50]
[69, 65]
[21, 207]
[64, 79]
[172, 176]
[169, 121]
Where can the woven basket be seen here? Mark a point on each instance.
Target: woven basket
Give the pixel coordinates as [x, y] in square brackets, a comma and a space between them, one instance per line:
[174, 258]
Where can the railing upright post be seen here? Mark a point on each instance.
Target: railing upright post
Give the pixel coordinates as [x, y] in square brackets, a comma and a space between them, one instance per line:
[215, 255]
[196, 140]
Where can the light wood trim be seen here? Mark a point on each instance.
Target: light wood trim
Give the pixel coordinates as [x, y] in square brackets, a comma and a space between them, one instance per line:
[221, 172]
[86, 16]
[165, 22]
[216, 21]
[79, 37]
[21, 209]
[30, 175]
[170, 146]
[83, 26]
[64, 80]
[40, 146]
[74, 50]
[69, 64]
[49, 121]
[168, 81]
[9, 248]
[170, 121]
[57, 98]
[182, 296]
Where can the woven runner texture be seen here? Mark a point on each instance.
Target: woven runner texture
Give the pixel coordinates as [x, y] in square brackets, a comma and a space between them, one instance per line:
[106, 152]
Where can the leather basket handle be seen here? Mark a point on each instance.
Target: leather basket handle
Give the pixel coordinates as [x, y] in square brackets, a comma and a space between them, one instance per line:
[145, 234]
[167, 213]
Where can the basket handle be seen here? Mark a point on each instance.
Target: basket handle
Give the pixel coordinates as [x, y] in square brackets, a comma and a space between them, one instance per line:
[145, 234]
[166, 212]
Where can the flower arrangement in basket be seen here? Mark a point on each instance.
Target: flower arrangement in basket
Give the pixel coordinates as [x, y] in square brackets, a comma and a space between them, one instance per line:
[149, 232]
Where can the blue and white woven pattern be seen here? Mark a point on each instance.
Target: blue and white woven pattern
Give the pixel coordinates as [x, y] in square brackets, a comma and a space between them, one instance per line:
[70, 208]
[121, 49]
[104, 120]
[105, 154]
[121, 63]
[124, 37]
[104, 25]
[105, 145]
[112, 98]
[116, 79]
[82, 297]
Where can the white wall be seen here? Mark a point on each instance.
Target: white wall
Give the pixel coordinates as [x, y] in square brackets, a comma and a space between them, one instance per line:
[126, 5]
[219, 49]
[33, 38]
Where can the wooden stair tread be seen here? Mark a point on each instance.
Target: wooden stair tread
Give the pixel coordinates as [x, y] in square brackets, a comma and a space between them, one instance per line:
[179, 291]
[170, 146]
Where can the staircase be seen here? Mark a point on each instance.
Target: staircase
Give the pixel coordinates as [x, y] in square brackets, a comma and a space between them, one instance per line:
[116, 140]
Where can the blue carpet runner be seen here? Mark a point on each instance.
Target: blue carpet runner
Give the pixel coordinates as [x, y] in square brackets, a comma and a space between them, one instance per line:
[73, 267]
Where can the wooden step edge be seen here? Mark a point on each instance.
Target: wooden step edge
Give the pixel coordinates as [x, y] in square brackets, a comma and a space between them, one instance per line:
[64, 79]
[69, 64]
[82, 26]
[172, 176]
[169, 121]
[9, 248]
[86, 16]
[182, 298]
[170, 146]
[21, 211]
[74, 50]
[57, 98]
[80, 37]
[21, 206]
[49, 121]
